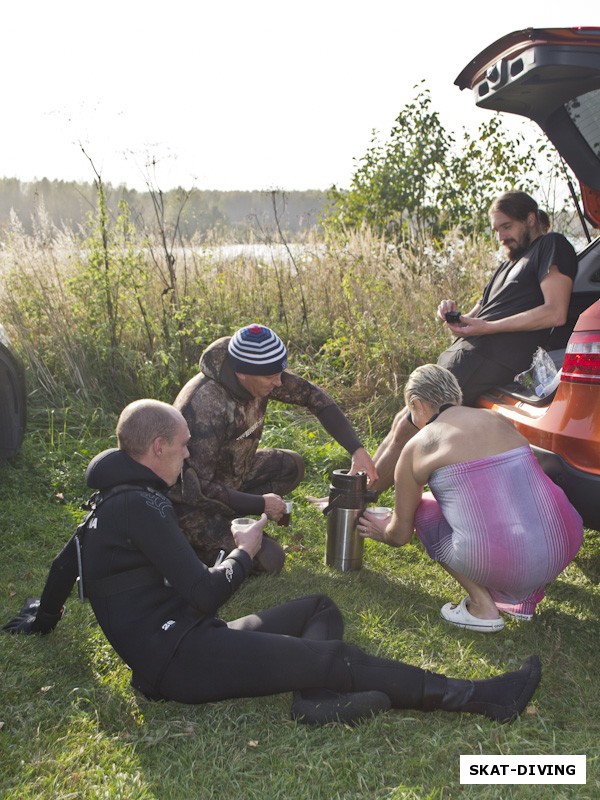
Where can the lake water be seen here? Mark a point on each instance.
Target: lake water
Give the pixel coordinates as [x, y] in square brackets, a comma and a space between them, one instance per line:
[258, 251]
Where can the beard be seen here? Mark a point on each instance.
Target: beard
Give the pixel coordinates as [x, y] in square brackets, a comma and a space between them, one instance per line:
[516, 248]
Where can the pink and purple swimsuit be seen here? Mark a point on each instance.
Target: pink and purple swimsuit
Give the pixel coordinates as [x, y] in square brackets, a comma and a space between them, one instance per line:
[502, 523]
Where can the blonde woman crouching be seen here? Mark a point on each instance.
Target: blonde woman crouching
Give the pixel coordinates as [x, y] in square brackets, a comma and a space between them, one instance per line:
[492, 518]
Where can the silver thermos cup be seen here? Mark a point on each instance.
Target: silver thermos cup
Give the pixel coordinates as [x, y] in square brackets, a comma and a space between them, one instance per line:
[348, 497]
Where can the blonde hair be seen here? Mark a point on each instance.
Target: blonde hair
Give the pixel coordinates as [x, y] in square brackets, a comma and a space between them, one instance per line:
[433, 384]
[142, 421]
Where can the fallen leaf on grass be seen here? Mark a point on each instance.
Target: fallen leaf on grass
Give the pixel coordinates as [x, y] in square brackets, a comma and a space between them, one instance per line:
[293, 548]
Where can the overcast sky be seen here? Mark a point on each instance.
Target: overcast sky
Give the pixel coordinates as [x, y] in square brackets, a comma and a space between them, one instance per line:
[235, 94]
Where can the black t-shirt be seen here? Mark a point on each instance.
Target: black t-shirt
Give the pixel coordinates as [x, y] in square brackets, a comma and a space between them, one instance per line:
[514, 288]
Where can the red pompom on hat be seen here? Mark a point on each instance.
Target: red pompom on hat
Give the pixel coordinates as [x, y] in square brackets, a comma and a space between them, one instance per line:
[257, 350]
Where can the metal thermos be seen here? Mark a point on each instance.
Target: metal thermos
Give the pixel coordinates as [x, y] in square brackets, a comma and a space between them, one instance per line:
[348, 497]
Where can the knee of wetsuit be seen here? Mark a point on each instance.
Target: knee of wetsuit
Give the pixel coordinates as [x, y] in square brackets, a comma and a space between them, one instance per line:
[270, 558]
[149, 692]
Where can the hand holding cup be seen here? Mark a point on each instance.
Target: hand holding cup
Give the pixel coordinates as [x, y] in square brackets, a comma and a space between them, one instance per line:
[373, 522]
[247, 533]
[274, 506]
[285, 520]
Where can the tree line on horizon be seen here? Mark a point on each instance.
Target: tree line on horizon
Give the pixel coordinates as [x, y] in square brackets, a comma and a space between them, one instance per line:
[203, 214]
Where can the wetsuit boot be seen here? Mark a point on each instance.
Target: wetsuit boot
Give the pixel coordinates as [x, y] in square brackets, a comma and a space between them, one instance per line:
[501, 698]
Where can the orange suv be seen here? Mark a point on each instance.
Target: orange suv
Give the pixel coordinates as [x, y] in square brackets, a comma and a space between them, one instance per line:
[552, 76]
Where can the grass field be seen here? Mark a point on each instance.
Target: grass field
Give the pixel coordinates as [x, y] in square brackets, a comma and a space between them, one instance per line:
[71, 726]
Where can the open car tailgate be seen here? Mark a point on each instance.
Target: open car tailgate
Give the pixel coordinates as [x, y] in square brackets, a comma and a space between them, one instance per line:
[551, 76]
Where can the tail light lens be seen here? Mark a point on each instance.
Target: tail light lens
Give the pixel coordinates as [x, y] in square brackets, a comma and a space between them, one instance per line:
[582, 359]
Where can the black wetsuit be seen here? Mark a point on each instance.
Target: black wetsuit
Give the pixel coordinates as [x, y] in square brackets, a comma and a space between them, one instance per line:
[156, 603]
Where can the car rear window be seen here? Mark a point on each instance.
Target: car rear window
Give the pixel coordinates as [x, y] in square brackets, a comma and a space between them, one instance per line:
[585, 113]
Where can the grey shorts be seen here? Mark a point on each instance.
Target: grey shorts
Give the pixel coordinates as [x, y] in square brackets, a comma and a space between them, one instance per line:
[474, 373]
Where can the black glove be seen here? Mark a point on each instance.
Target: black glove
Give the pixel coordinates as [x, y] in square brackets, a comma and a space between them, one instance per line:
[31, 620]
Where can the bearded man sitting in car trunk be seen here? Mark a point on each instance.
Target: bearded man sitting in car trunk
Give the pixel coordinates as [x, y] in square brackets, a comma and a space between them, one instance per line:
[525, 299]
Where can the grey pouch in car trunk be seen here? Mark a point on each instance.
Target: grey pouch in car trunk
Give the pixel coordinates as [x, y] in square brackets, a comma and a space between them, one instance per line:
[542, 377]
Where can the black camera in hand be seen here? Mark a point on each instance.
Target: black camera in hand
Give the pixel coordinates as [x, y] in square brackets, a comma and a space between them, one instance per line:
[452, 316]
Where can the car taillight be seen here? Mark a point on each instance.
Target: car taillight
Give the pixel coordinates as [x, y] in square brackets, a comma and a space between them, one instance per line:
[581, 363]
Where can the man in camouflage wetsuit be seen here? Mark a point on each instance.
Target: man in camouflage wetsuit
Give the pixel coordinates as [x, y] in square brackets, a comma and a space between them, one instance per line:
[226, 475]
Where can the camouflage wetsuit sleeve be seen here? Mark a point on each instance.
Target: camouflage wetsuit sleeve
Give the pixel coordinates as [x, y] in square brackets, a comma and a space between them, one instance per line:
[300, 392]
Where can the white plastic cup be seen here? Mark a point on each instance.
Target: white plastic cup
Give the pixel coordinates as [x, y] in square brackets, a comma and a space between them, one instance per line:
[287, 515]
[241, 523]
[380, 511]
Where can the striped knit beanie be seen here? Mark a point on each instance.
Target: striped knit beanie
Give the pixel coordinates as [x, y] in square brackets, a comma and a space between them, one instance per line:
[257, 350]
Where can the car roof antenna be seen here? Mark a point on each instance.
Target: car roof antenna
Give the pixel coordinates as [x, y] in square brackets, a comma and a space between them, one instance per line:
[576, 201]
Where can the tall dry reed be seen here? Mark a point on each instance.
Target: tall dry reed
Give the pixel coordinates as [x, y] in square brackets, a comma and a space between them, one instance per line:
[357, 315]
